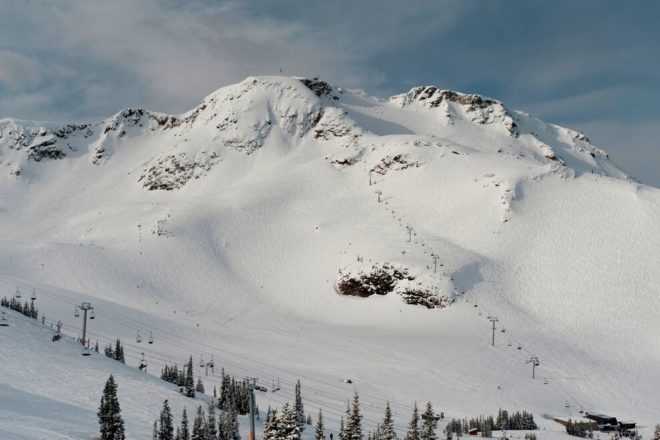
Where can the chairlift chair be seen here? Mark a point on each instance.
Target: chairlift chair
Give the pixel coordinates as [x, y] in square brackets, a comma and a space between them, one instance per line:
[276, 386]
[151, 338]
[503, 330]
[76, 313]
[3, 321]
[143, 363]
[138, 339]
[86, 351]
[519, 347]
[545, 381]
[201, 361]
[91, 315]
[34, 295]
[18, 293]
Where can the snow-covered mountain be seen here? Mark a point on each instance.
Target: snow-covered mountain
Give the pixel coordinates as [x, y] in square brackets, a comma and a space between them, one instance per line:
[295, 229]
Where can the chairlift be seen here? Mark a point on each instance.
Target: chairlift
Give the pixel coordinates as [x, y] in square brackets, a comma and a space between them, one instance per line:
[3, 321]
[503, 330]
[276, 386]
[86, 351]
[18, 293]
[480, 313]
[143, 364]
[211, 364]
[151, 338]
[201, 361]
[76, 313]
[91, 315]
[138, 339]
[34, 295]
[581, 410]
[519, 347]
[545, 381]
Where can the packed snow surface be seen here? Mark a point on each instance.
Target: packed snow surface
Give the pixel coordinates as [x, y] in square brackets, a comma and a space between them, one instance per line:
[225, 232]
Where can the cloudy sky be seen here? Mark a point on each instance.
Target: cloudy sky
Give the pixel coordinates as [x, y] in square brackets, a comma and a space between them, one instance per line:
[592, 66]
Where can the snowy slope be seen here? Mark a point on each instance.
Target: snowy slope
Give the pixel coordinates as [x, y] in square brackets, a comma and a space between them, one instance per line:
[225, 230]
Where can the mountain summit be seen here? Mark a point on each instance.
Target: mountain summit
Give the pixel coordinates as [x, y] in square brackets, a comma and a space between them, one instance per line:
[335, 235]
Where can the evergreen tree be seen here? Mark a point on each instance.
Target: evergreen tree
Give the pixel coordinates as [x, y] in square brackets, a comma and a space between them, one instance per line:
[429, 425]
[225, 391]
[272, 426]
[229, 422]
[110, 420]
[343, 435]
[96, 347]
[413, 426]
[189, 383]
[166, 427]
[184, 431]
[309, 421]
[199, 426]
[298, 407]
[199, 387]
[154, 435]
[656, 434]
[386, 431]
[211, 424]
[319, 433]
[354, 422]
[288, 424]
[177, 436]
[118, 353]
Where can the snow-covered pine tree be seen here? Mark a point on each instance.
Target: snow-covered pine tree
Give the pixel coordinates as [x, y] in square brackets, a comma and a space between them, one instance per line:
[211, 424]
[656, 434]
[429, 425]
[229, 421]
[154, 435]
[272, 426]
[288, 426]
[342, 429]
[189, 384]
[166, 427]
[354, 423]
[386, 431]
[298, 407]
[184, 429]
[413, 426]
[118, 354]
[199, 431]
[308, 420]
[110, 420]
[199, 387]
[225, 397]
[319, 433]
[96, 347]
